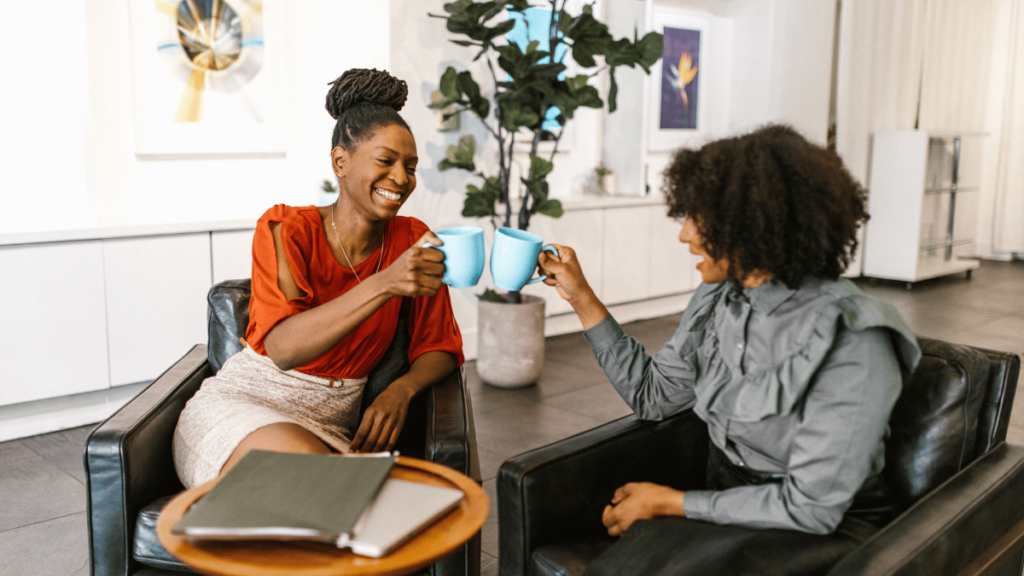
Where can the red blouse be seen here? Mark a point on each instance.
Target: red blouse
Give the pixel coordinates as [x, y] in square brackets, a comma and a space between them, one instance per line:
[321, 278]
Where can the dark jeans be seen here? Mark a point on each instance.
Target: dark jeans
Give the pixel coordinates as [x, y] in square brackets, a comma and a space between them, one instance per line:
[683, 547]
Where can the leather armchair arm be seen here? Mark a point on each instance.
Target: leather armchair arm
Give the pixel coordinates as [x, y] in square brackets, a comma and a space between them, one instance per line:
[973, 519]
[450, 434]
[128, 462]
[557, 492]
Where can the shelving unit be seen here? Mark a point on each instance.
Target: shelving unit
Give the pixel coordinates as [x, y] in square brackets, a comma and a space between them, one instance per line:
[923, 201]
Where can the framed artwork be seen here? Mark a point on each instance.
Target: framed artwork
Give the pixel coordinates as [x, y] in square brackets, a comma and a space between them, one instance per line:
[677, 103]
[207, 76]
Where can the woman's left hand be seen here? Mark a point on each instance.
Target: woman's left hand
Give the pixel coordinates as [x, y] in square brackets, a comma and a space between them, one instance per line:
[640, 501]
[382, 421]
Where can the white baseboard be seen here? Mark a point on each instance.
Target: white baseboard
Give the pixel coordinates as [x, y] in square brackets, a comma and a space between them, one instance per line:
[52, 414]
[568, 323]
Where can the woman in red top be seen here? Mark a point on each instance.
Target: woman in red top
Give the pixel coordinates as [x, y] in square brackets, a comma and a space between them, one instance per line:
[326, 294]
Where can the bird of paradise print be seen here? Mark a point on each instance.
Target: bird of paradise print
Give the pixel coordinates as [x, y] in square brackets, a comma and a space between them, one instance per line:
[683, 74]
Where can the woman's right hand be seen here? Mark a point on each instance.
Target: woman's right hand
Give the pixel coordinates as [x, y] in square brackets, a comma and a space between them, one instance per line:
[564, 273]
[418, 271]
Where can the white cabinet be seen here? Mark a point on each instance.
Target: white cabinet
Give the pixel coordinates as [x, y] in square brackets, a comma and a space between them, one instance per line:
[672, 266]
[923, 201]
[627, 254]
[52, 321]
[156, 302]
[232, 254]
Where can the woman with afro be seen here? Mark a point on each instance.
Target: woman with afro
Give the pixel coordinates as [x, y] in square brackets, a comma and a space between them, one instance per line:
[794, 369]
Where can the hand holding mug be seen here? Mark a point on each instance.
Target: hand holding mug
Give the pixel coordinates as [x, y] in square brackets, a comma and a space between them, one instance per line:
[417, 271]
[564, 273]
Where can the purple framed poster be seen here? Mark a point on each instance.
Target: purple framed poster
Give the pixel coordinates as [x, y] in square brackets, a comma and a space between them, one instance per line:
[677, 100]
[680, 77]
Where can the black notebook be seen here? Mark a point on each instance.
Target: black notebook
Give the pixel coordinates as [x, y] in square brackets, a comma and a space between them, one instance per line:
[280, 496]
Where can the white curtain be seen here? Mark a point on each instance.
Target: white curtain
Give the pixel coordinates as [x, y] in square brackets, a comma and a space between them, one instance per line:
[955, 73]
[1008, 217]
[932, 64]
[879, 73]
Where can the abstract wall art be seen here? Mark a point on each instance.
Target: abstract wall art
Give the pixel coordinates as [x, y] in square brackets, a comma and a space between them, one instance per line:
[206, 76]
[677, 103]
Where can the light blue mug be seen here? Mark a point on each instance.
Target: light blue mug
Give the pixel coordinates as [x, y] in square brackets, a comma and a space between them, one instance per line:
[514, 258]
[463, 255]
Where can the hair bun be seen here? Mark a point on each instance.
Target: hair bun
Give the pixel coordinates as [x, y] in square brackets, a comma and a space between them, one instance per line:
[361, 86]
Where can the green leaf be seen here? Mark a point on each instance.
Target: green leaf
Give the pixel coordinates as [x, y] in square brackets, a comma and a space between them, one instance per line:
[651, 47]
[552, 208]
[490, 295]
[460, 156]
[515, 116]
[518, 5]
[532, 46]
[449, 87]
[613, 90]
[480, 201]
[583, 55]
[539, 168]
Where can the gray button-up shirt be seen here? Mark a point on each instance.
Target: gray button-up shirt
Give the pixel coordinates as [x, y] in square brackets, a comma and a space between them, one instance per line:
[796, 381]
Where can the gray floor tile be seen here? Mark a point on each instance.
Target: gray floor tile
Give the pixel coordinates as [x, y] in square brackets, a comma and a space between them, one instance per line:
[1009, 327]
[488, 565]
[489, 463]
[516, 430]
[33, 490]
[978, 340]
[601, 402]
[489, 532]
[56, 547]
[14, 450]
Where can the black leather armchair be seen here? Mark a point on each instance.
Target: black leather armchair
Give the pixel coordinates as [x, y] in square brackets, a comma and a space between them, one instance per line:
[130, 471]
[961, 486]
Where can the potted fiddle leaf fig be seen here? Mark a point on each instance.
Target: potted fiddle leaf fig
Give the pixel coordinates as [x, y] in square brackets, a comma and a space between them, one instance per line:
[528, 97]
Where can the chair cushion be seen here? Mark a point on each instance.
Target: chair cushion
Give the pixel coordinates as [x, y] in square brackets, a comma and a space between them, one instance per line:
[935, 422]
[227, 319]
[147, 548]
[568, 558]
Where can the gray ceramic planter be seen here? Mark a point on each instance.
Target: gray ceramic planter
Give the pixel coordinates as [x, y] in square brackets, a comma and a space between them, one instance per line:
[510, 342]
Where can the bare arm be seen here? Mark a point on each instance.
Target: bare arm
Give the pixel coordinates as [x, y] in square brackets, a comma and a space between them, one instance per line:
[383, 420]
[310, 334]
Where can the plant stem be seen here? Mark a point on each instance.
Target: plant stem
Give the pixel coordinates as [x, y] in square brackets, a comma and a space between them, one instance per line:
[514, 297]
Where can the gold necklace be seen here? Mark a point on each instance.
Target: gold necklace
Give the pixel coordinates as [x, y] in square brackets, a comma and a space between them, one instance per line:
[338, 238]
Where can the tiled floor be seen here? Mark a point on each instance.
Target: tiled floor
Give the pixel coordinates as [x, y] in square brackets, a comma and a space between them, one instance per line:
[42, 492]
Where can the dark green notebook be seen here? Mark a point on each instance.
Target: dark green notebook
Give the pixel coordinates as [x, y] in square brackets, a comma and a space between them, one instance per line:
[277, 495]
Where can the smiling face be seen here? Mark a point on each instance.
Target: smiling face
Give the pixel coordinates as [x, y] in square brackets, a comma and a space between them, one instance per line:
[378, 176]
[711, 271]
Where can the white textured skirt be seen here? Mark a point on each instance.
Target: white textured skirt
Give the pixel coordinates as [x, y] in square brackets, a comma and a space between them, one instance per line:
[250, 392]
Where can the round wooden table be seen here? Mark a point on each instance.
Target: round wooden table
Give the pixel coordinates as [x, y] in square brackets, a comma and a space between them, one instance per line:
[266, 558]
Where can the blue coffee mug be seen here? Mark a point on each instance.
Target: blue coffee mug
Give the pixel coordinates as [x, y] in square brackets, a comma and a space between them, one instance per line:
[514, 258]
[463, 255]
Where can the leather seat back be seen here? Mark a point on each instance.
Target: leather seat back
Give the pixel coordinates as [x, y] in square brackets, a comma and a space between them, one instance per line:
[935, 424]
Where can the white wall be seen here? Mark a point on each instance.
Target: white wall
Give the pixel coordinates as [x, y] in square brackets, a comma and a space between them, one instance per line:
[77, 124]
[44, 123]
[771, 63]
